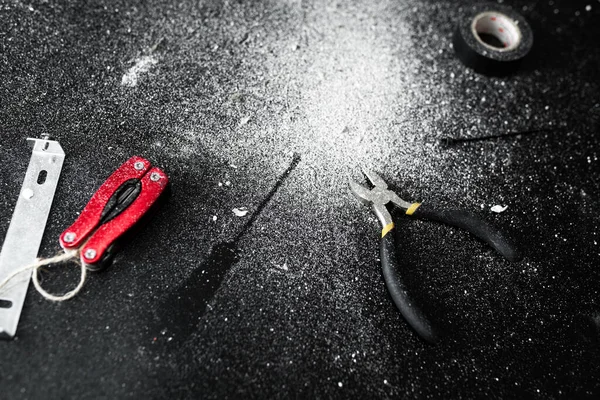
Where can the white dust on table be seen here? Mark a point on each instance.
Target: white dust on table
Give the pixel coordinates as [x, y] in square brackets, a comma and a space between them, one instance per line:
[346, 102]
[141, 66]
[352, 97]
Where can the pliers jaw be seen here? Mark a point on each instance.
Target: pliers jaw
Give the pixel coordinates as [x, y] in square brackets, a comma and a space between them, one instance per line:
[378, 197]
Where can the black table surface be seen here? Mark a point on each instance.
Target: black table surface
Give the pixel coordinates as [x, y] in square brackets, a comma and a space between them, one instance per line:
[271, 106]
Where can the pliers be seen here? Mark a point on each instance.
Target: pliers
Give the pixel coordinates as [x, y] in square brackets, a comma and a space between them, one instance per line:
[121, 203]
[378, 197]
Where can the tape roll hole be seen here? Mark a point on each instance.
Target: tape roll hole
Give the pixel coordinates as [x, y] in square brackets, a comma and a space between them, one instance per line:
[496, 31]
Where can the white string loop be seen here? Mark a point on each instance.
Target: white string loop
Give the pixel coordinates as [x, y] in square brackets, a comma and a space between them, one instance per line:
[60, 258]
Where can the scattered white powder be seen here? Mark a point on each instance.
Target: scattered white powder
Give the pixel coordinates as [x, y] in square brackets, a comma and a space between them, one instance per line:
[142, 65]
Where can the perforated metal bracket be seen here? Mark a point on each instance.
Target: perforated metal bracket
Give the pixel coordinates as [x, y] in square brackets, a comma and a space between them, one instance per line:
[26, 229]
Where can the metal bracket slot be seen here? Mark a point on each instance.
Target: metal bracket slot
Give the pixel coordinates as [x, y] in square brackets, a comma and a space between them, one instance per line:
[26, 229]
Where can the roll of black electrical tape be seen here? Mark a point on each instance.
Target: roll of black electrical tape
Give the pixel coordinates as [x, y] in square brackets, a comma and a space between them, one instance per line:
[492, 39]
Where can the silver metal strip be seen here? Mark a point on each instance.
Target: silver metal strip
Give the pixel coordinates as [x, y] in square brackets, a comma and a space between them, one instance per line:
[26, 229]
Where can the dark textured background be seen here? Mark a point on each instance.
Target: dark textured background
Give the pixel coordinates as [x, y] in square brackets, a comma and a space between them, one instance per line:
[288, 301]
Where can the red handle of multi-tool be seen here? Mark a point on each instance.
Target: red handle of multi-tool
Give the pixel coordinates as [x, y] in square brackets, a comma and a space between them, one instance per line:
[74, 236]
[153, 185]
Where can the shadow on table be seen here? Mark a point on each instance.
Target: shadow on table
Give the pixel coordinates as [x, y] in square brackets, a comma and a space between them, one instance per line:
[187, 304]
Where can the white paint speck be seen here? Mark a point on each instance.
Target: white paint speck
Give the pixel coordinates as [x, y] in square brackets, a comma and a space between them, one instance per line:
[27, 193]
[240, 212]
[588, 8]
[340, 384]
[214, 218]
[142, 65]
[498, 208]
[283, 267]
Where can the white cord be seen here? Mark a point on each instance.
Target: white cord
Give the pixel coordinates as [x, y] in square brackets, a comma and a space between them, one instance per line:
[67, 256]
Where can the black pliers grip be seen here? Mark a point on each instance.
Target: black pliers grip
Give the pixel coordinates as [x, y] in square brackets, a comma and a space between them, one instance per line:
[470, 222]
[408, 308]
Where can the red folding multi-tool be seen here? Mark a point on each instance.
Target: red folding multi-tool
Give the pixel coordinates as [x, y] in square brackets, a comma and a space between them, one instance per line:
[119, 204]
